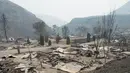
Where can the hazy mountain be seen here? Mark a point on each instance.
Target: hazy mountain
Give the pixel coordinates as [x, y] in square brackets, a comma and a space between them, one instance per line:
[51, 20]
[20, 21]
[122, 19]
[125, 9]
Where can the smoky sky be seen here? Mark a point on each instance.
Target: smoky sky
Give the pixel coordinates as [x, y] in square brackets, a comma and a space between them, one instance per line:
[68, 9]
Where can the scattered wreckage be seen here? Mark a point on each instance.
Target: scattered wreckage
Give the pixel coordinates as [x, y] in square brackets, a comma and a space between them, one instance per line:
[74, 59]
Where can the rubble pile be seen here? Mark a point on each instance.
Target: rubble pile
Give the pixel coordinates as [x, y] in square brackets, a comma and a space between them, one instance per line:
[26, 68]
[2, 48]
[71, 63]
[48, 58]
[71, 67]
[74, 59]
[8, 66]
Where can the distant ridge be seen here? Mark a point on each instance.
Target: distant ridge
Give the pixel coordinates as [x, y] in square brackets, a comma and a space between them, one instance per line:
[20, 20]
[122, 19]
[51, 20]
[125, 9]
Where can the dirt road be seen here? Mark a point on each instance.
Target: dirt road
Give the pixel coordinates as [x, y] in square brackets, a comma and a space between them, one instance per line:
[14, 51]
